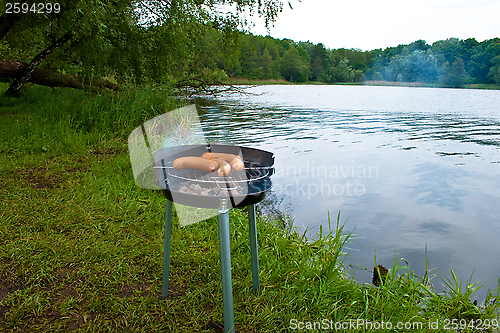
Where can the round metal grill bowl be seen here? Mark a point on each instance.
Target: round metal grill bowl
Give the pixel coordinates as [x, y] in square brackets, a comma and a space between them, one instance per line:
[256, 178]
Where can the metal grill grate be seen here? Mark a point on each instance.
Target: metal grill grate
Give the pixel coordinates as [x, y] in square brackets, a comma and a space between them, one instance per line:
[251, 172]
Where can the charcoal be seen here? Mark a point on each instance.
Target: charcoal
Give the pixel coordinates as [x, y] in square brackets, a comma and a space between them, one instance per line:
[205, 191]
[196, 187]
[213, 191]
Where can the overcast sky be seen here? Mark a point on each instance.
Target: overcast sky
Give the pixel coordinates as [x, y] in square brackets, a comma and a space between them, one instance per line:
[372, 24]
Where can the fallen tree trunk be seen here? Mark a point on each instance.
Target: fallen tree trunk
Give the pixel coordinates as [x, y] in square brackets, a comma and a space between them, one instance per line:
[15, 69]
[25, 77]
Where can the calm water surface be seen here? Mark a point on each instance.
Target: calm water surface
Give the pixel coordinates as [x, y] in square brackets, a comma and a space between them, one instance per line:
[407, 167]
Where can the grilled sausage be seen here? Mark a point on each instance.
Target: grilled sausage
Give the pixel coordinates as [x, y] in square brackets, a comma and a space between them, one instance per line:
[224, 168]
[237, 164]
[195, 162]
[234, 161]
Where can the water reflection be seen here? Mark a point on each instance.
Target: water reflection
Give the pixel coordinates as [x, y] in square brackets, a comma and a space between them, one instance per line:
[437, 185]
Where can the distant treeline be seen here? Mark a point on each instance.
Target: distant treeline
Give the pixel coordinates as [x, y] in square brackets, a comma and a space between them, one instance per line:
[452, 62]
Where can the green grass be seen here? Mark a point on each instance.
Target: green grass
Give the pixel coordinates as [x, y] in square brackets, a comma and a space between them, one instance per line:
[483, 86]
[491, 86]
[81, 245]
[244, 81]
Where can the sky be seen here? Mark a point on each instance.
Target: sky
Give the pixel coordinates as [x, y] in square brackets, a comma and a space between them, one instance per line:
[372, 24]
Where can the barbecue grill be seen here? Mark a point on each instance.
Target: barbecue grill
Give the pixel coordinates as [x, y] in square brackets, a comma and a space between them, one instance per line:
[154, 147]
[238, 189]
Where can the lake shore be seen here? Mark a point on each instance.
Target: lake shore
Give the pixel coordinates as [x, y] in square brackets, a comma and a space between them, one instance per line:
[244, 81]
[82, 245]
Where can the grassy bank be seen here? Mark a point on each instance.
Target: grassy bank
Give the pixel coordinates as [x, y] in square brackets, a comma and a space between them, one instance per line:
[81, 245]
[491, 86]
[243, 81]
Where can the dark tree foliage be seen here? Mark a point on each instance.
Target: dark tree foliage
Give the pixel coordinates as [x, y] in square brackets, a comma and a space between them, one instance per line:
[294, 67]
[451, 62]
[183, 43]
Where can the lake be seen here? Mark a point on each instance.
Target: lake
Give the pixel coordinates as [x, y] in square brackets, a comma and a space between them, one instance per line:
[409, 168]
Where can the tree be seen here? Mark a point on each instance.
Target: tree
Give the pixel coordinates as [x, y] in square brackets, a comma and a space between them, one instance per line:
[454, 76]
[481, 62]
[448, 49]
[357, 59]
[266, 62]
[135, 41]
[28, 71]
[458, 73]
[64, 35]
[494, 73]
[377, 76]
[319, 63]
[249, 60]
[419, 45]
[420, 66]
[344, 71]
[394, 68]
[293, 68]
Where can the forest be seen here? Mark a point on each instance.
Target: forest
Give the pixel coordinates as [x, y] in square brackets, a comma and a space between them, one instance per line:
[193, 45]
[109, 45]
[450, 63]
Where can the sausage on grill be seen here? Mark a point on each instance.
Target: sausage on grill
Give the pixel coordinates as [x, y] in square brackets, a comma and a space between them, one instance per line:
[195, 162]
[234, 161]
[224, 167]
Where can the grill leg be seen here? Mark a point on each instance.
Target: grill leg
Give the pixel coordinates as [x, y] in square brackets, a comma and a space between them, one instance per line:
[225, 259]
[166, 249]
[254, 250]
